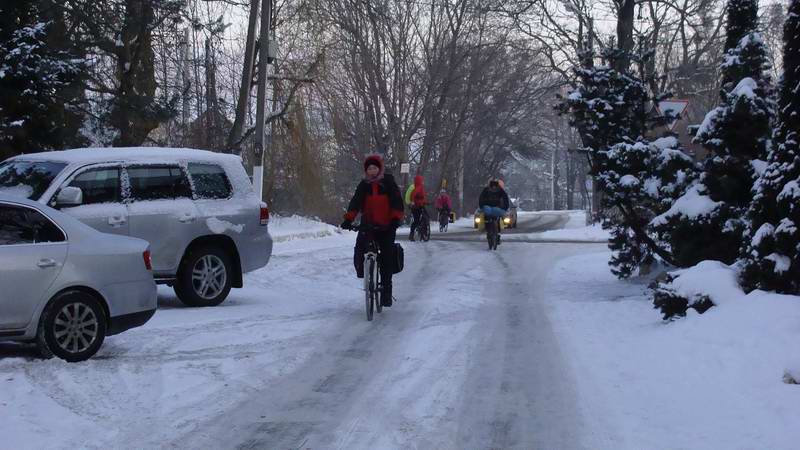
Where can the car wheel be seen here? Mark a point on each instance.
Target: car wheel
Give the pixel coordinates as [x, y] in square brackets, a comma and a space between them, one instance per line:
[205, 277]
[72, 327]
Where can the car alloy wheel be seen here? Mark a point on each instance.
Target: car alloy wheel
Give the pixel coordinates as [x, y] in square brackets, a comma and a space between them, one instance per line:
[209, 277]
[72, 327]
[75, 327]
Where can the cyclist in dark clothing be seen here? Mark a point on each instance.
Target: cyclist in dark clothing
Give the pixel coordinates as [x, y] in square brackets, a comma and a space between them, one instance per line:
[379, 201]
[494, 202]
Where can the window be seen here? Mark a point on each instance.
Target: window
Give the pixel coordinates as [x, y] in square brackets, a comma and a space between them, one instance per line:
[209, 181]
[28, 179]
[158, 183]
[21, 225]
[98, 185]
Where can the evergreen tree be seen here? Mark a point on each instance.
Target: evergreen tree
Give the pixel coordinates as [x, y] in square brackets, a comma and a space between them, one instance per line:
[608, 107]
[120, 33]
[39, 80]
[655, 174]
[736, 133]
[772, 254]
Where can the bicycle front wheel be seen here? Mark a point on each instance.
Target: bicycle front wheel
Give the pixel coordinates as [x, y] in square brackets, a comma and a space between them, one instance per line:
[378, 294]
[369, 284]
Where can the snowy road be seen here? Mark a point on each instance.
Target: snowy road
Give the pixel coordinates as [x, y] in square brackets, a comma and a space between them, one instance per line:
[465, 359]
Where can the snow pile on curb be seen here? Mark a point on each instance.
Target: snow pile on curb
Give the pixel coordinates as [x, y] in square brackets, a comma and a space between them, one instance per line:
[575, 230]
[712, 278]
[718, 380]
[289, 228]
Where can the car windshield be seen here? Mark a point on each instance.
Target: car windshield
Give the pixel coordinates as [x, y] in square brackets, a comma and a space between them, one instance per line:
[27, 178]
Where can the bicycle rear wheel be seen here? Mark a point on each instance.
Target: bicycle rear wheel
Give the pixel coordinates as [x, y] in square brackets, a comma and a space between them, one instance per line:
[378, 293]
[369, 284]
[491, 235]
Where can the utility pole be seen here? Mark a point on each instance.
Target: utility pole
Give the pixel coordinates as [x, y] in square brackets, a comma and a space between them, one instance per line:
[589, 63]
[258, 167]
[184, 60]
[461, 209]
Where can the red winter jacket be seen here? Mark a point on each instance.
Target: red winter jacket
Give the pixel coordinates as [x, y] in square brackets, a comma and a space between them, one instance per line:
[443, 201]
[379, 200]
[418, 197]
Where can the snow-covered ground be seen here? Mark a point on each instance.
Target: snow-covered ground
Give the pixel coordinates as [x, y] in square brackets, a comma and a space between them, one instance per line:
[534, 346]
[711, 381]
[575, 230]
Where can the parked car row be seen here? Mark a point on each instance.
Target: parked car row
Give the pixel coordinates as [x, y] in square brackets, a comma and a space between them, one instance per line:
[85, 235]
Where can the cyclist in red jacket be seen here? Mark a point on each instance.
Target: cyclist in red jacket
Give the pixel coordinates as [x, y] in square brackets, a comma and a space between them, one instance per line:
[418, 202]
[443, 205]
[379, 201]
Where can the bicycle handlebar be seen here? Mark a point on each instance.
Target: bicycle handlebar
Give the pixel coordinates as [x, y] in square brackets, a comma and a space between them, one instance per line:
[371, 227]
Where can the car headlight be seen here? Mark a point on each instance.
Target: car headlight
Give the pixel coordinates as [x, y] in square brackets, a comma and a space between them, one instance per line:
[477, 220]
[506, 219]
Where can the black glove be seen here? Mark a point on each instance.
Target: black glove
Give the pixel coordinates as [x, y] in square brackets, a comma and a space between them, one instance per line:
[396, 223]
[347, 225]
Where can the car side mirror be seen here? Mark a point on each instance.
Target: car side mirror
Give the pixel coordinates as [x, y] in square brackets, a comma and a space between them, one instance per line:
[70, 196]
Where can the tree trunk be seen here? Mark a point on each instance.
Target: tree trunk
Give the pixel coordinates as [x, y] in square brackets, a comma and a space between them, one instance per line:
[233, 144]
[213, 127]
[625, 34]
[135, 76]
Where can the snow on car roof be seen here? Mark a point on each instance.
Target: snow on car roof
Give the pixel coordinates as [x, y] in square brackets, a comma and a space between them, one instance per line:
[155, 154]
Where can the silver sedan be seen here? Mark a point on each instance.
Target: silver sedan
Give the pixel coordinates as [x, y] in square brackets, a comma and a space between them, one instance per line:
[66, 286]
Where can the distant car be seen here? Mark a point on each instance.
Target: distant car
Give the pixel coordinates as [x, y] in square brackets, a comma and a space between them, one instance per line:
[198, 210]
[509, 220]
[65, 285]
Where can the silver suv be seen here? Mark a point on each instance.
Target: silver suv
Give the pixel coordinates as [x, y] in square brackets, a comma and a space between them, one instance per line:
[198, 210]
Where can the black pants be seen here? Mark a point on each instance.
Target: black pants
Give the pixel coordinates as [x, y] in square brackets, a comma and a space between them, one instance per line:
[416, 212]
[385, 240]
[446, 213]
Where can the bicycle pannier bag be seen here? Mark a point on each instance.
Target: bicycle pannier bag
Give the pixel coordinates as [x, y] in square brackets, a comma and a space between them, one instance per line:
[399, 258]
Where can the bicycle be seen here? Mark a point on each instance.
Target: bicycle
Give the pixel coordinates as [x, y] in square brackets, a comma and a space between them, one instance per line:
[444, 220]
[492, 234]
[423, 231]
[373, 287]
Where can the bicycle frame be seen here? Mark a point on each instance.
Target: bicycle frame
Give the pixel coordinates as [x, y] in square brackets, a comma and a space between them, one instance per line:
[423, 230]
[372, 270]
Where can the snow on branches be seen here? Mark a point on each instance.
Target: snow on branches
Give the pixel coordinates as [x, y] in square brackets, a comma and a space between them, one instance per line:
[771, 259]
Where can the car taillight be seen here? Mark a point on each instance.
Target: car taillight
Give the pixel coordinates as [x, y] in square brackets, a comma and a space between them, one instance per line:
[264, 216]
[148, 264]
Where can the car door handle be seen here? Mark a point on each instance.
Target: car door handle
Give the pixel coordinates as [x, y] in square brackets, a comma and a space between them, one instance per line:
[116, 221]
[47, 262]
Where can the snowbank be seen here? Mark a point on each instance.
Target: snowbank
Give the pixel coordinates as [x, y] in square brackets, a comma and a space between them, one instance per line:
[575, 230]
[289, 228]
[720, 380]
